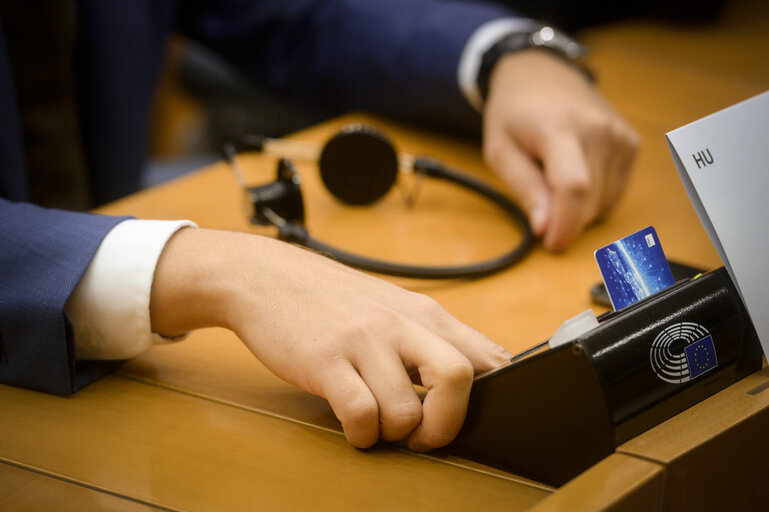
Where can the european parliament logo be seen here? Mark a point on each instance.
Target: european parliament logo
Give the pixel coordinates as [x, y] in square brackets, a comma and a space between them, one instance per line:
[682, 352]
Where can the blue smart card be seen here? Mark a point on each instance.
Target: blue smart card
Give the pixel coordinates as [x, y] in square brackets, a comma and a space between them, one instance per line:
[634, 268]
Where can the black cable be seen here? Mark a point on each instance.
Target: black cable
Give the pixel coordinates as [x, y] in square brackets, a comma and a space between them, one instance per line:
[433, 169]
[286, 206]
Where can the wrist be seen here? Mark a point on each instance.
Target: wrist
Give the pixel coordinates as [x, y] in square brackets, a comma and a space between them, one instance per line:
[516, 69]
[191, 288]
[544, 38]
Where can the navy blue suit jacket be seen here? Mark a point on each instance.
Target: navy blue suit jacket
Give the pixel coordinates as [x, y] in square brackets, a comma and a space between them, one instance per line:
[397, 57]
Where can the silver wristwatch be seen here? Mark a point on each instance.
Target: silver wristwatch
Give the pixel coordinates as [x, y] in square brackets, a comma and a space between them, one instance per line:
[545, 37]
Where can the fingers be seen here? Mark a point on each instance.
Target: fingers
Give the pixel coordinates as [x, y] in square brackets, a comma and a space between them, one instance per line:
[372, 394]
[445, 405]
[625, 149]
[448, 376]
[400, 409]
[379, 400]
[572, 187]
[582, 176]
[482, 353]
[521, 174]
[352, 402]
[562, 149]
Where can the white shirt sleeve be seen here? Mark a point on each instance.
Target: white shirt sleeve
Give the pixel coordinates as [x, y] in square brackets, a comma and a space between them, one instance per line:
[110, 307]
[479, 42]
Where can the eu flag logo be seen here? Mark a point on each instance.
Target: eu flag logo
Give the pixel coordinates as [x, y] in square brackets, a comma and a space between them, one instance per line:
[701, 356]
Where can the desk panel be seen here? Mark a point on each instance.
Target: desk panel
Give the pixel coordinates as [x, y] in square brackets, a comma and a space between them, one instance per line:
[23, 490]
[715, 451]
[618, 483]
[173, 450]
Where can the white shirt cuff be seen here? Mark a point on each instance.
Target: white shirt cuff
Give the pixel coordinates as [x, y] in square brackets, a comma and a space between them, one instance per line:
[110, 307]
[479, 43]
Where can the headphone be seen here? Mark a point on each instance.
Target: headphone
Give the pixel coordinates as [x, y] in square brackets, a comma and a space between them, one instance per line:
[358, 166]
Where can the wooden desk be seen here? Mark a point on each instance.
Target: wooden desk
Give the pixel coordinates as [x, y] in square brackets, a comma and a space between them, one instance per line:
[202, 425]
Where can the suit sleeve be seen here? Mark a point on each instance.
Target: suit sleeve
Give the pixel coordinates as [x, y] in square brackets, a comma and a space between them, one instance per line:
[43, 255]
[397, 57]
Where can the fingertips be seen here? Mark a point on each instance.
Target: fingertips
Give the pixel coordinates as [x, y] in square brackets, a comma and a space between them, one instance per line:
[448, 376]
[360, 420]
[482, 353]
[352, 402]
[522, 175]
[444, 407]
[625, 148]
[400, 409]
[571, 183]
[371, 391]
[499, 355]
[539, 217]
[565, 226]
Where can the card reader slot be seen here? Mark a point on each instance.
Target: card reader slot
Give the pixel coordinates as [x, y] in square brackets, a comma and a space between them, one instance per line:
[670, 289]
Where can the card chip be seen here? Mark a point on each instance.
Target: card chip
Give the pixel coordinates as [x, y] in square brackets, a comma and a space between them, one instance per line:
[650, 240]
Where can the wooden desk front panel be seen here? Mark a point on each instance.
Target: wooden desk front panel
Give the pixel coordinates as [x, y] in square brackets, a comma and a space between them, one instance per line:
[26, 490]
[169, 449]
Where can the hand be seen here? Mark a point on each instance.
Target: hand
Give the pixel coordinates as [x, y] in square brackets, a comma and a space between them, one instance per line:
[353, 339]
[562, 149]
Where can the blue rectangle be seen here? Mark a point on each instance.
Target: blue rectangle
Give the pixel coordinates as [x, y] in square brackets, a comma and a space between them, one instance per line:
[701, 356]
[634, 268]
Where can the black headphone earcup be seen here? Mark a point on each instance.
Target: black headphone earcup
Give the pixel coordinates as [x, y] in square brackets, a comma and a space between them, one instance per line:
[358, 165]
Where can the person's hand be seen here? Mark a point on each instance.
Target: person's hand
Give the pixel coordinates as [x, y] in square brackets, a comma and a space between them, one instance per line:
[356, 340]
[563, 151]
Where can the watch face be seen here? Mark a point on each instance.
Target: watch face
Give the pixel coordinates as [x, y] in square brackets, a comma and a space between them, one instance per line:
[543, 36]
[558, 41]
